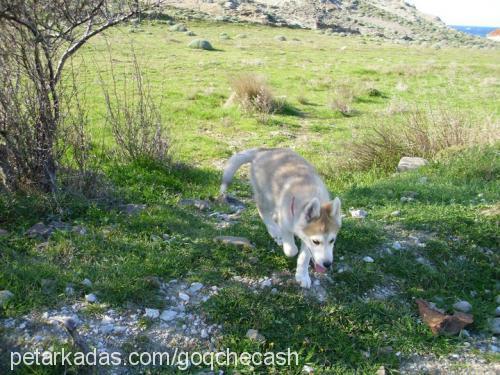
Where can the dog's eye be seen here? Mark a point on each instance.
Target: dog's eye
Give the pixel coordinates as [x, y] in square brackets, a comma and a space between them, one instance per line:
[316, 242]
[332, 240]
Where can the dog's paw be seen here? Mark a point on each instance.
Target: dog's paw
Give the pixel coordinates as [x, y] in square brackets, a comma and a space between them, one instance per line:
[304, 280]
[290, 249]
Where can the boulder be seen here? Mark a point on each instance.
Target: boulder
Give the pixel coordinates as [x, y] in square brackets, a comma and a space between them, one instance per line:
[408, 163]
[201, 44]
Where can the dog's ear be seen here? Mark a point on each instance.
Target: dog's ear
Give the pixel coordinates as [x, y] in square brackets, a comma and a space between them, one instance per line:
[336, 211]
[312, 210]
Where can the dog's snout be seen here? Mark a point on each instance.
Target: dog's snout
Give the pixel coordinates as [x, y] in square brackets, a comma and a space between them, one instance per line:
[327, 264]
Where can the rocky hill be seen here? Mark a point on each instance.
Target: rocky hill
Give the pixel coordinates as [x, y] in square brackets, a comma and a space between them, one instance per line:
[386, 19]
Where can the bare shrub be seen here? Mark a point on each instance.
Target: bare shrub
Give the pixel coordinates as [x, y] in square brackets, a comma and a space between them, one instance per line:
[253, 94]
[36, 40]
[424, 133]
[342, 99]
[134, 116]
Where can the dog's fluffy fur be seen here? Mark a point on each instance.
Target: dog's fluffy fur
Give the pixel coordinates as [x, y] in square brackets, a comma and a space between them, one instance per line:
[292, 201]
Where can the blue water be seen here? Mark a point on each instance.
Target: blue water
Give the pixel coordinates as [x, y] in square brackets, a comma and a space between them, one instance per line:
[474, 30]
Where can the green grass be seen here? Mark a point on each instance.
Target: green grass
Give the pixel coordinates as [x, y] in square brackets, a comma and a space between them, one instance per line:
[120, 251]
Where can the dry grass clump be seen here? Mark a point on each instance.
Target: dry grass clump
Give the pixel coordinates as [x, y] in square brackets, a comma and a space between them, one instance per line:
[424, 133]
[253, 94]
[342, 99]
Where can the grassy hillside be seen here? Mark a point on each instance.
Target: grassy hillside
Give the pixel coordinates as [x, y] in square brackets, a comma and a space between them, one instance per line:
[367, 316]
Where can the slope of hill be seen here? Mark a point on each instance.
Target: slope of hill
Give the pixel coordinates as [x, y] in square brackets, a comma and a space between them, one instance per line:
[388, 19]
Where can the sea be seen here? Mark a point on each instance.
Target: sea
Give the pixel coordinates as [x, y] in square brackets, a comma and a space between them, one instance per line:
[475, 30]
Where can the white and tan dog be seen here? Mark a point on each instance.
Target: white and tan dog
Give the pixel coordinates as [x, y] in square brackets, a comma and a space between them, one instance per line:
[292, 201]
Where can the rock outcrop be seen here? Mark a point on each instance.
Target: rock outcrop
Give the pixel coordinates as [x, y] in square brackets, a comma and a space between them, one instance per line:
[388, 19]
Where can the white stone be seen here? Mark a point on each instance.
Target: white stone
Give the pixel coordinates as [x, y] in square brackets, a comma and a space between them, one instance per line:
[183, 296]
[152, 313]
[497, 311]
[168, 315]
[368, 259]
[397, 245]
[358, 214]
[5, 295]
[495, 326]
[204, 333]
[69, 290]
[463, 306]
[91, 298]
[87, 282]
[266, 283]
[253, 334]
[195, 287]
[307, 369]
[408, 163]
[396, 213]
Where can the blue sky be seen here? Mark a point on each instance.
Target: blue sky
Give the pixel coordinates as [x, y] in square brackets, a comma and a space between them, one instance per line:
[462, 12]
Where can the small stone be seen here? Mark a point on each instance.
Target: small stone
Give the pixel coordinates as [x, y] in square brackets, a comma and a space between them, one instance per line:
[236, 241]
[274, 291]
[408, 163]
[107, 328]
[307, 369]
[204, 333]
[463, 306]
[132, 208]
[253, 334]
[78, 229]
[87, 283]
[358, 214]
[381, 371]
[180, 27]
[497, 311]
[280, 38]
[39, 230]
[3, 233]
[69, 290]
[422, 180]
[316, 282]
[91, 298]
[183, 296]
[495, 326]
[168, 315]
[69, 322]
[368, 259]
[200, 204]
[5, 296]
[396, 213]
[195, 287]
[152, 313]
[396, 245]
[266, 283]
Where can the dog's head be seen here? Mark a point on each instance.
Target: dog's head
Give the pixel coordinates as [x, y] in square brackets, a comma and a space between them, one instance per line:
[318, 227]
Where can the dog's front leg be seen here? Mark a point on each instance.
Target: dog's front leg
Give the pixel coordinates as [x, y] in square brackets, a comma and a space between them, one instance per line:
[302, 273]
[289, 246]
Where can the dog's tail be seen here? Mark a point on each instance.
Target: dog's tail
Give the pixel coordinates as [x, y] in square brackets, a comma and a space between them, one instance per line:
[232, 165]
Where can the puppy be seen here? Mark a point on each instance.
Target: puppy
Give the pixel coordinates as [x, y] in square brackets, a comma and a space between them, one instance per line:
[292, 201]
